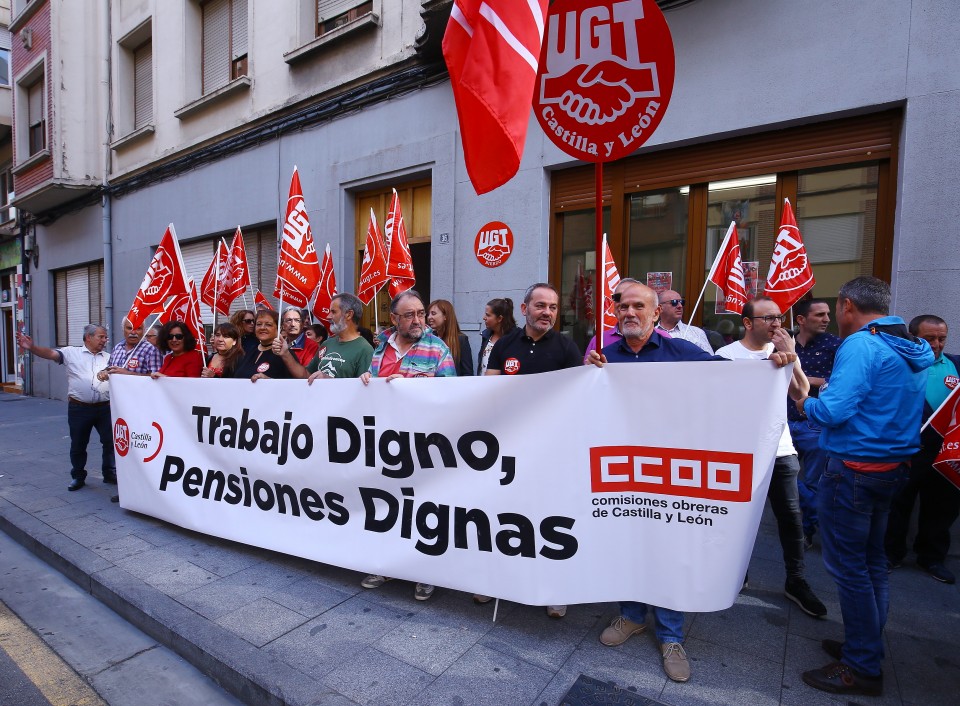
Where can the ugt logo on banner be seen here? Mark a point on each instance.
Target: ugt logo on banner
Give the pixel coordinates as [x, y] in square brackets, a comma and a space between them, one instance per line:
[605, 78]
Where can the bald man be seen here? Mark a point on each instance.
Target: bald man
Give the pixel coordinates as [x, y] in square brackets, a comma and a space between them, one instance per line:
[671, 313]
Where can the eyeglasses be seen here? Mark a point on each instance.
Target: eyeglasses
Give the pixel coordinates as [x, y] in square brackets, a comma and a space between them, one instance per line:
[770, 318]
[248, 321]
[152, 335]
[411, 315]
[175, 336]
[674, 302]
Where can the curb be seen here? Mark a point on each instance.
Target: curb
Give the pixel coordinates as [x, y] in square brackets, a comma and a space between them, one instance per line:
[234, 664]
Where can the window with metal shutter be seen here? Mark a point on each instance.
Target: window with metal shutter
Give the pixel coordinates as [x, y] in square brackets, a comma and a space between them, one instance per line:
[238, 28]
[216, 45]
[197, 258]
[60, 303]
[268, 264]
[143, 85]
[328, 9]
[95, 295]
[77, 305]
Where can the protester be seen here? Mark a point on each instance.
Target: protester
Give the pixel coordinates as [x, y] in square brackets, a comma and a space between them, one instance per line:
[870, 414]
[302, 347]
[816, 349]
[244, 321]
[939, 498]
[135, 354]
[316, 333]
[637, 310]
[408, 350]
[153, 334]
[271, 359]
[367, 335]
[763, 322]
[535, 348]
[227, 352]
[610, 335]
[498, 318]
[347, 354]
[671, 321]
[442, 318]
[88, 398]
[184, 360]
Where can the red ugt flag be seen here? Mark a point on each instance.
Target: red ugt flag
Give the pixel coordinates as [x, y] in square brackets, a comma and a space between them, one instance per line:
[611, 278]
[790, 275]
[399, 262]
[373, 271]
[947, 416]
[298, 270]
[238, 274]
[261, 302]
[492, 49]
[213, 284]
[727, 272]
[185, 307]
[165, 277]
[326, 290]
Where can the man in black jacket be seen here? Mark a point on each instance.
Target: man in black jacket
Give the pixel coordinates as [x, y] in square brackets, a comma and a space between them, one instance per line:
[939, 498]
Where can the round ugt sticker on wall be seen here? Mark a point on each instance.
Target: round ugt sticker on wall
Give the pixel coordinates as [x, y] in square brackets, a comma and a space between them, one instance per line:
[493, 244]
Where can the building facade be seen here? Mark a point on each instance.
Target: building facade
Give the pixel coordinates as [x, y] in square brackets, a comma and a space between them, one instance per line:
[132, 114]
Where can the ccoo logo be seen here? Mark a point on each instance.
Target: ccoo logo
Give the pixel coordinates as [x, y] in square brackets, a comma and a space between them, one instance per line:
[121, 437]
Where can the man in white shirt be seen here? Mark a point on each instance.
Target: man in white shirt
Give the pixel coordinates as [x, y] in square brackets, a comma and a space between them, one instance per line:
[763, 322]
[88, 394]
[671, 313]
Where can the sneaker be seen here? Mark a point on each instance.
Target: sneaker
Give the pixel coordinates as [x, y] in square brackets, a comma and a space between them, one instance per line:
[374, 581]
[939, 572]
[620, 630]
[675, 662]
[480, 599]
[556, 611]
[799, 591]
[838, 678]
[423, 591]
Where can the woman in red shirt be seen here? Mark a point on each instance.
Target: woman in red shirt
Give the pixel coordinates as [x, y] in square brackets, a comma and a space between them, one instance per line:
[184, 360]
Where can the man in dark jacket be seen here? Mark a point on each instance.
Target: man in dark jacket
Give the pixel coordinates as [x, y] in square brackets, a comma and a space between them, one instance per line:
[939, 498]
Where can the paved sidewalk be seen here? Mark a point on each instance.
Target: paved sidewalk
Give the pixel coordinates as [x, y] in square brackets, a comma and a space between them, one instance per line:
[275, 629]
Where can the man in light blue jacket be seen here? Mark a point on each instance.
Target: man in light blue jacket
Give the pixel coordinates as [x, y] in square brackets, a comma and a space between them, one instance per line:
[870, 413]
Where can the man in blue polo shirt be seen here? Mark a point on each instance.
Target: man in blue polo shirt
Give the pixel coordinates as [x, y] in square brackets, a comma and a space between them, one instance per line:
[637, 310]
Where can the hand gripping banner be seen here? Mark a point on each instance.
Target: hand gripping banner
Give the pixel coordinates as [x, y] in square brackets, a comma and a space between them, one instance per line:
[534, 504]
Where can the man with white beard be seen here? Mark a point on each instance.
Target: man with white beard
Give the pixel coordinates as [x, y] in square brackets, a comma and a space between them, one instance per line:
[346, 354]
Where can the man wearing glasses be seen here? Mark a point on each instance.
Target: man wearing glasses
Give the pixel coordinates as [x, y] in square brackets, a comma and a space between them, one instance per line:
[671, 313]
[763, 323]
[408, 350]
[304, 349]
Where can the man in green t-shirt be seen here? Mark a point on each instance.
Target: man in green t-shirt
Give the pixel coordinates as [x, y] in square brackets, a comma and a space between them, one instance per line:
[346, 354]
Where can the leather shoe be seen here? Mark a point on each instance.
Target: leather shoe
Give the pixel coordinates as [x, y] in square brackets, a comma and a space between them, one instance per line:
[111, 480]
[114, 498]
[76, 484]
[838, 678]
[939, 572]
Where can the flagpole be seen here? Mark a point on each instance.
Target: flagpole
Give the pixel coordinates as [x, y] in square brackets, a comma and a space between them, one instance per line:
[216, 290]
[598, 274]
[713, 267]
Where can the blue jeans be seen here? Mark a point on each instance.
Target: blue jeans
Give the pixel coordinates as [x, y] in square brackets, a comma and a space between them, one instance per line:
[806, 438]
[854, 508]
[668, 623]
[82, 419]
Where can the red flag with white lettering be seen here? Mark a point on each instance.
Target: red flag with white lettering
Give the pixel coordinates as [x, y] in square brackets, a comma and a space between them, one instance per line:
[492, 50]
[946, 418]
[611, 278]
[373, 270]
[238, 274]
[399, 262]
[212, 287]
[790, 275]
[185, 307]
[326, 290]
[298, 269]
[165, 277]
[727, 272]
[947, 461]
[260, 301]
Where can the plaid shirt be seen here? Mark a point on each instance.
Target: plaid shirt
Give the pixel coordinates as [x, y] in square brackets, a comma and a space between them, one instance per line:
[144, 359]
[428, 357]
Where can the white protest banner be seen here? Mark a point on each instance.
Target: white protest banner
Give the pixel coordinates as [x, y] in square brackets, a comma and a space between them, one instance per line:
[634, 482]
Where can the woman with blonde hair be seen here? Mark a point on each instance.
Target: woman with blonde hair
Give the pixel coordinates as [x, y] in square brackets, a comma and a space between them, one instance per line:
[443, 320]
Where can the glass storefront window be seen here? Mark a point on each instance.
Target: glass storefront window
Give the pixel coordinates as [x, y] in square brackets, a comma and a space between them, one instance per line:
[577, 273]
[751, 202]
[658, 238]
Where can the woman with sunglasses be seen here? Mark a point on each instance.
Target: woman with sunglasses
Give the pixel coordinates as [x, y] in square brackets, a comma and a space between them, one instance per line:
[271, 359]
[227, 352]
[244, 320]
[184, 360]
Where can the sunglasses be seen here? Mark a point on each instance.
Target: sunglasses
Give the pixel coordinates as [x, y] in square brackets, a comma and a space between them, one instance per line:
[175, 336]
[248, 321]
[674, 302]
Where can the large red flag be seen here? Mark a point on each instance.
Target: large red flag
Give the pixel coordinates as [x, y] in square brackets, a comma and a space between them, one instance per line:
[399, 262]
[238, 273]
[260, 301]
[373, 271]
[492, 49]
[165, 277]
[727, 272]
[326, 290]
[212, 287]
[185, 307]
[790, 275]
[947, 461]
[946, 418]
[298, 270]
[611, 278]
